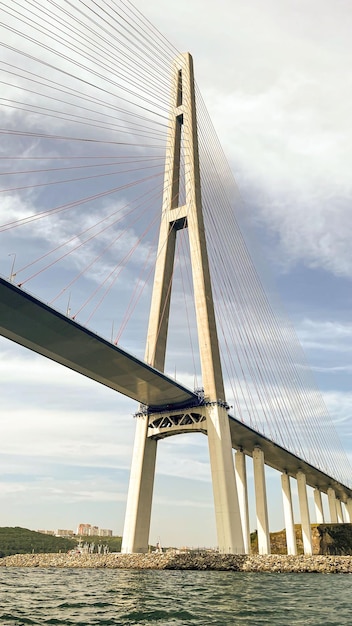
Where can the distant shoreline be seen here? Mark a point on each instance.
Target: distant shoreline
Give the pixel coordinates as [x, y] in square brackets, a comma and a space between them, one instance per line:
[184, 561]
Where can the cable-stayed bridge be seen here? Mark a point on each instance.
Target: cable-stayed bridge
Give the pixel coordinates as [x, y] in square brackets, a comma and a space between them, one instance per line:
[137, 102]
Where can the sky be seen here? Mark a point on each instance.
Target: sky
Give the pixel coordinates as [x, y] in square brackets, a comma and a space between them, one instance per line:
[276, 80]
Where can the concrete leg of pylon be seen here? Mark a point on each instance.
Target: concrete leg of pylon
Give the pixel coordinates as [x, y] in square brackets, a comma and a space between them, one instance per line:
[318, 506]
[339, 513]
[241, 482]
[261, 502]
[288, 515]
[304, 512]
[227, 512]
[332, 505]
[140, 492]
[348, 509]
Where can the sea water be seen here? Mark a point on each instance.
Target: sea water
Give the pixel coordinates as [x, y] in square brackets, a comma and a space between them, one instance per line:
[100, 597]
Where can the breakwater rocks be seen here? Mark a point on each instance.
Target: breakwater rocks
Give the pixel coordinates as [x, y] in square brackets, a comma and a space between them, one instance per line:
[187, 561]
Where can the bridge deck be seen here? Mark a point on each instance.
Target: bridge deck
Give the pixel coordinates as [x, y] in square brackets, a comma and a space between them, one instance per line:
[245, 438]
[31, 323]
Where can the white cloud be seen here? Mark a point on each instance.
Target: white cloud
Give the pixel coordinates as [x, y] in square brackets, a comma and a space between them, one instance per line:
[339, 404]
[326, 335]
[276, 84]
[9, 489]
[290, 145]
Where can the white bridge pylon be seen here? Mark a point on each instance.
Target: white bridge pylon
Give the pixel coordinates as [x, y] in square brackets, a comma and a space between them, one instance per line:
[214, 417]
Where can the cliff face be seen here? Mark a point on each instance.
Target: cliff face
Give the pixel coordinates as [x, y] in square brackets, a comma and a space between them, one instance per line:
[327, 539]
[335, 539]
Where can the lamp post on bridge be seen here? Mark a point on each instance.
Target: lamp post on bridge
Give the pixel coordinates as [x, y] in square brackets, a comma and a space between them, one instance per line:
[12, 273]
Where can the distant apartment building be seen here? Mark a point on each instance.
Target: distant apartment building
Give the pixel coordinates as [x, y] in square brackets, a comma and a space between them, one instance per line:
[64, 533]
[57, 533]
[84, 529]
[105, 532]
[87, 530]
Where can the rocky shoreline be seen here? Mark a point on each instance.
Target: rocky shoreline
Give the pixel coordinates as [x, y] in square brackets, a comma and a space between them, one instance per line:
[187, 561]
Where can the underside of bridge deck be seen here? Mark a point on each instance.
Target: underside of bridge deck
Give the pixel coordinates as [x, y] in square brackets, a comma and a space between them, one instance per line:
[246, 439]
[34, 325]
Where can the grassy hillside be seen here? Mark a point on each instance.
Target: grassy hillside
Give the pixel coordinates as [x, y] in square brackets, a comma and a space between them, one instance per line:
[23, 541]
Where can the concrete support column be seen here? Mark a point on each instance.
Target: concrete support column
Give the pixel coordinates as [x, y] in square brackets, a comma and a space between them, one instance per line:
[261, 502]
[332, 505]
[339, 511]
[288, 515]
[304, 511]
[349, 510]
[241, 480]
[140, 492]
[227, 512]
[318, 504]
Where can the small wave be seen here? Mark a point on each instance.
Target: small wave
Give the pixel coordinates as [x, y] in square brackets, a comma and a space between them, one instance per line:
[83, 605]
[72, 605]
[145, 617]
[10, 617]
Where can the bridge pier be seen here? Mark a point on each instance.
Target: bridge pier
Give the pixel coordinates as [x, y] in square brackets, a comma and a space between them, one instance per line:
[339, 513]
[242, 492]
[227, 512]
[288, 514]
[349, 510]
[261, 501]
[332, 505]
[304, 512]
[318, 505]
[140, 492]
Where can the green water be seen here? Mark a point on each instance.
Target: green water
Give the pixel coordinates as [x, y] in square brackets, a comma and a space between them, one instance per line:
[65, 597]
